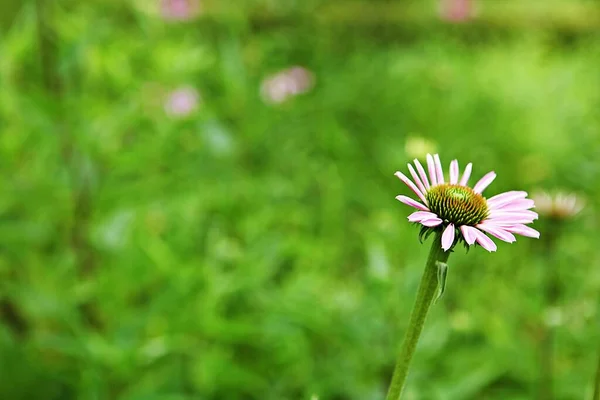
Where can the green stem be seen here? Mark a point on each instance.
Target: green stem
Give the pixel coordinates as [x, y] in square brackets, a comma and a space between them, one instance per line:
[427, 290]
[551, 290]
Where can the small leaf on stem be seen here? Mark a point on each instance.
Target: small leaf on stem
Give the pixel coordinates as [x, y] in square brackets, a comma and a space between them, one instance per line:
[442, 272]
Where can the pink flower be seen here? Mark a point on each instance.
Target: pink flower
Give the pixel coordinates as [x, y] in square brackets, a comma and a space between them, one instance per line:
[558, 205]
[182, 102]
[286, 84]
[180, 10]
[456, 10]
[461, 212]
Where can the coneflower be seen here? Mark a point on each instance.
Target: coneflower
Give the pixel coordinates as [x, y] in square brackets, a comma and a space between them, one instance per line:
[180, 10]
[461, 212]
[557, 205]
[455, 212]
[182, 102]
[286, 84]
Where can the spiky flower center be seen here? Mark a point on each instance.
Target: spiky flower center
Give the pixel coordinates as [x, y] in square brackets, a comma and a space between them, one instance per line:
[457, 204]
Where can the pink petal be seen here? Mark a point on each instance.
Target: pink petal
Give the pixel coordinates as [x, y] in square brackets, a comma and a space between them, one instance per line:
[484, 241]
[422, 174]
[506, 197]
[497, 232]
[413, 203]
[466, 175]
[523, 230]
[515, 205]
[505, 221]
[516, 217]
[411, 185]
[448, 237]
[484, 182]
[417, 179]
[454, 172]
[505, 213]
[468, 234]
[431, 222]
[431, 168]
[438, 169]
[419, 216]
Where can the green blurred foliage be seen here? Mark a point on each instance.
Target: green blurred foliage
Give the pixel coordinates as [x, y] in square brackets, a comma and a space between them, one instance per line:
[255, 251]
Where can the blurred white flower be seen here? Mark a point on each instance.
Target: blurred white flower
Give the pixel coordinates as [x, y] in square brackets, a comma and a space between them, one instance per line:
[456, 10]
[559, 205]
[553, 316]
[182, 102]
[286, 84]
[180, 10]
[419, 147]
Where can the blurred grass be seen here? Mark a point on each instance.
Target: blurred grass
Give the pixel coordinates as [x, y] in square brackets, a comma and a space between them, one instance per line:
[250, 251]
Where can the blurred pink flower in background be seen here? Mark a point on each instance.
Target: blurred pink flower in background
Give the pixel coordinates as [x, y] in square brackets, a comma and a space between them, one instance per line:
[180, 10]
[288, 83]
[456, 10]
[558, 205]
[182, 102]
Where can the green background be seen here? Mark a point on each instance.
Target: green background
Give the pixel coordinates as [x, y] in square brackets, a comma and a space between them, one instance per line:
[255, 251]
